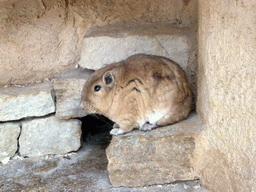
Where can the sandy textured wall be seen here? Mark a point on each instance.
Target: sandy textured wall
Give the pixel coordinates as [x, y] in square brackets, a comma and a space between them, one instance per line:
[227, 94]
[40, 38]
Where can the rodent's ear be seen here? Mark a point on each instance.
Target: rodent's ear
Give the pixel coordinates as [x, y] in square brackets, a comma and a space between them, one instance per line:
[108, 78]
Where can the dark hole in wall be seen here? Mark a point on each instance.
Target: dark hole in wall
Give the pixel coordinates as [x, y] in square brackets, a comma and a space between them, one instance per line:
[95, 129]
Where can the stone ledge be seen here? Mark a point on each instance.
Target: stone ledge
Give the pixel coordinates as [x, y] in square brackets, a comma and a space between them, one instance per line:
[68, 90]
[136, 28]
[113, 43]
[160, 156]
[28, 101]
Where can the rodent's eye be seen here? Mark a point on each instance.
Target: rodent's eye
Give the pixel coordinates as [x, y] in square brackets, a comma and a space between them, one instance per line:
[97, 88]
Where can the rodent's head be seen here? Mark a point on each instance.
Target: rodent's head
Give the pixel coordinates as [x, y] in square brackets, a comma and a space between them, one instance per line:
[97, 94]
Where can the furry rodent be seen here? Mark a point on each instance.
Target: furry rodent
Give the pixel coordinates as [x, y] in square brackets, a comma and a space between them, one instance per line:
[142, 91]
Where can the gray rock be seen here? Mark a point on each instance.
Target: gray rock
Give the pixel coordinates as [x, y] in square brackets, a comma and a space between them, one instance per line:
[84, 171]
[68, 88]
[159, 156]
[9, 133]
[49, 135]
[105, 45]
[31, 101]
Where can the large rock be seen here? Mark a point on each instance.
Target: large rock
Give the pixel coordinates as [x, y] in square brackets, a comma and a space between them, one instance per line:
[31, 101]
[160, 156]
[49, 135]
[68, 88]
[9, 133]
[113, 43]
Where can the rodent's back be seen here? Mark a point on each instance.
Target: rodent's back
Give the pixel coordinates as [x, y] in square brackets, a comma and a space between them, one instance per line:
[156, 74]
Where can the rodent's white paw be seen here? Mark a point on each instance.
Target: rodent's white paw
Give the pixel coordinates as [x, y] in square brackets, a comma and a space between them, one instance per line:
[148, 127]
[116, 126]
[116, 131]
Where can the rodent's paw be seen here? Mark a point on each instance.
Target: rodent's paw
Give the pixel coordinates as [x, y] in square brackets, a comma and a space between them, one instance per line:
[116, 131]
[148, 127]
[116, 126]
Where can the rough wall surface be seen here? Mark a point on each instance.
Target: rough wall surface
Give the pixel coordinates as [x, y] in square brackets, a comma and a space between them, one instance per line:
[49, 135]
[226, 99]
[9, 133]
[42, 38]
[22, 102]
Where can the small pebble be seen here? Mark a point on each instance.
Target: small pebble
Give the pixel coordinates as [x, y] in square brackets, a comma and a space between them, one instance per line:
[77, 66]
[5, 160]
[17, 157]
[66, 156]
[185, 186]
[196, 186]
[18, 86]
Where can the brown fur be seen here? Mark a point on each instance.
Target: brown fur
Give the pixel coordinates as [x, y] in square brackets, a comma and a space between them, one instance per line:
[143, 91]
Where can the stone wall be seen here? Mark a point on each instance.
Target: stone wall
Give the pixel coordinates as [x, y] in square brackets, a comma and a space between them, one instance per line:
[40, 39]
[44, 37]
[42, 118]
[226, 95]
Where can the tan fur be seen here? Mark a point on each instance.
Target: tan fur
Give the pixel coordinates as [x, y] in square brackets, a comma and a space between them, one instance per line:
[143, 91]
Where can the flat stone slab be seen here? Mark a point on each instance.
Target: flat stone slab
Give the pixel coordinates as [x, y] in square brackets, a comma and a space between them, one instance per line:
[68, 90]
[28, 101]
[113, 43]
[160, 156]
[49, 135]
[9, 133]
[85, 171]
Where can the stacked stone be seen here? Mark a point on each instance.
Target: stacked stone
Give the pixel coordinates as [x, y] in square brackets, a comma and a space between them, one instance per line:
[45, 115]
[41, 119]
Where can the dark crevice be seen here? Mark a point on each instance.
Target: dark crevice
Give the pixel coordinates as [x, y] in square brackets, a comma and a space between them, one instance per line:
[18, 142]
[96, 128]
[28, 118]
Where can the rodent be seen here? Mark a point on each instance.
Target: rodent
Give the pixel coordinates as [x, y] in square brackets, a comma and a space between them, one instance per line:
[142, 91]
